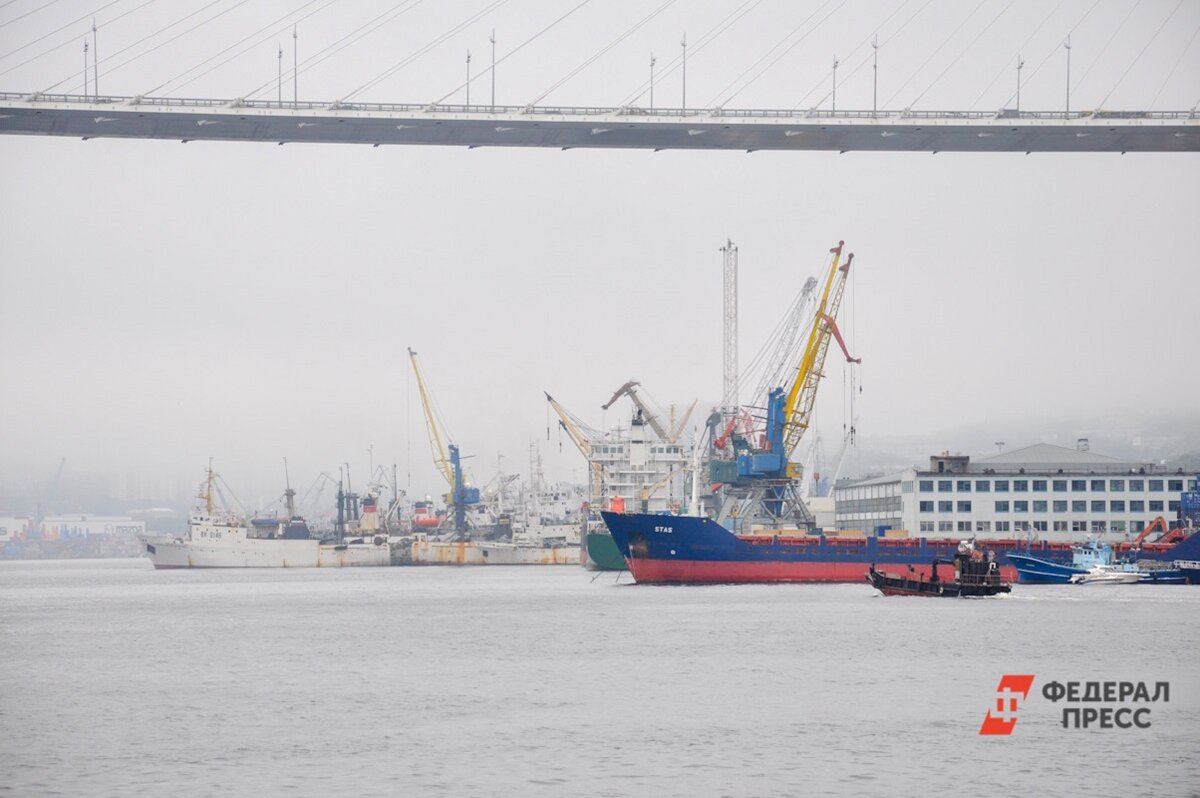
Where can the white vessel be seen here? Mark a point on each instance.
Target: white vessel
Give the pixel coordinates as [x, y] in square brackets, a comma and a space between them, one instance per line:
[221, 539]
[482, 552]
[1102, 575]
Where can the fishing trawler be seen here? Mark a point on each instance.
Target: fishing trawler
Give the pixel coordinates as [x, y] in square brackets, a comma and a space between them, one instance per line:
[219, 538]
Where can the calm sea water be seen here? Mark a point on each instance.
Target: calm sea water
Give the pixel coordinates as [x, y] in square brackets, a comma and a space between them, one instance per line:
[116, 679]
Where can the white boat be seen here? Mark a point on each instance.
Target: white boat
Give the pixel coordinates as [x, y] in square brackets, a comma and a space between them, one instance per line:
[1101, 575]
[483, 552]
[221, 539]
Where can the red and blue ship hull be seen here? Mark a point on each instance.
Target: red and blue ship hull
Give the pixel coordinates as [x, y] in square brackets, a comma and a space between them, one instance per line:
[673, 549]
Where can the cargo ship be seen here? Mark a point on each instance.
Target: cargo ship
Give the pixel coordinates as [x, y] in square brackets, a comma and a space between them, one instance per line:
[221, 539]
[665, 549]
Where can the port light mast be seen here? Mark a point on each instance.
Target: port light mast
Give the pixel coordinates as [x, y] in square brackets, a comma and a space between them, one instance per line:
[729, 404]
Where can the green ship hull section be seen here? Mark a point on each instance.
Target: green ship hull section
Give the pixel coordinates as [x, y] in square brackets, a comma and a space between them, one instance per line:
[602, 552]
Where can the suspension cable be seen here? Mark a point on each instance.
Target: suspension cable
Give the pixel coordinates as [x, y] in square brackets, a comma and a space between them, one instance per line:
[1054, 49]
[1103, 49]
[111, 56]
[1140, 54]
[1023, 46]
[238, 43]
[42, 7]
[510, 53]
[715, 103]
[63, 28]
[708, 38]
[604, 50]
[937, 50]
[73, 40]
[1175, 66]
[965, 50]
[387, 73]
[866, 59]
[336, 47]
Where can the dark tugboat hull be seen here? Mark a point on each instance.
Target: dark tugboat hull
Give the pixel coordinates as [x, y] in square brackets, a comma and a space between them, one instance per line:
[890, 585]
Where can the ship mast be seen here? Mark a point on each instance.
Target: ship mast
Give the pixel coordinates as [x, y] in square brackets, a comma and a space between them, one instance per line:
[208, 490]
[288, 493]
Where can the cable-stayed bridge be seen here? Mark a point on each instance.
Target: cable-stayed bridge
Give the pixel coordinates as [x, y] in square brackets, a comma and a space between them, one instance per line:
[378, 124]
[946, 44]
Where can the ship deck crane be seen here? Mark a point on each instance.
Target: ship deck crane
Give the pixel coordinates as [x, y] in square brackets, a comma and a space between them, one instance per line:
[647, 491]
[630, 389]
[446, 459]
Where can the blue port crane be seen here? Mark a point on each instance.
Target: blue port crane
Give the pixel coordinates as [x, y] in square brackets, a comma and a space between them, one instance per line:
[445, 458]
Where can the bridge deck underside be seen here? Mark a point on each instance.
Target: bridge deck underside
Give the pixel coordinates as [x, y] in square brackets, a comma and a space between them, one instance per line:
[612, 131]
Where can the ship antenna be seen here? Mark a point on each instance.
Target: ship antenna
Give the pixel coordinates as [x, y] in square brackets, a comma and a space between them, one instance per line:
[288, 493]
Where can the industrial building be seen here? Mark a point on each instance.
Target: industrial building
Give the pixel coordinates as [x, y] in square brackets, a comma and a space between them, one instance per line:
[1044, 491]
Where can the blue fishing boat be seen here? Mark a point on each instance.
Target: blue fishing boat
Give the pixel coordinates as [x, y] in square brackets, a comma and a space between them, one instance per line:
[1091, 555]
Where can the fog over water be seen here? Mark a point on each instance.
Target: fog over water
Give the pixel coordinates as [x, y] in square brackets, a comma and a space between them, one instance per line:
[163, 303]
[540, 681]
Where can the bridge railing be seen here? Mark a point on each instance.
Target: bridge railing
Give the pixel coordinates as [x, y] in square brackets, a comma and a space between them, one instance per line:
[698, 114]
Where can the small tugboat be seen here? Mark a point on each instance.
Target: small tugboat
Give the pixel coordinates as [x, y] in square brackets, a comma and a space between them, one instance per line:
[974, 575]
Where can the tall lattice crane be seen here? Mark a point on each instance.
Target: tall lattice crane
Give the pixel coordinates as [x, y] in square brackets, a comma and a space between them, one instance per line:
[575, 431]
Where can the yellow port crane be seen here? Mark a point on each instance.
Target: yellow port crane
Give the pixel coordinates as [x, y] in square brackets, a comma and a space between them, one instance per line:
[447, 462]
[798, 406]
[569, 423]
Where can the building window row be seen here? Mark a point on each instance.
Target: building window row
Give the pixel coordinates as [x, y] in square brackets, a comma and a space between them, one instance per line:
[1057, 485]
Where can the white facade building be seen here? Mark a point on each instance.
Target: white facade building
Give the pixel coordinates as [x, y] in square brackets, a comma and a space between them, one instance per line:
[1041, 491]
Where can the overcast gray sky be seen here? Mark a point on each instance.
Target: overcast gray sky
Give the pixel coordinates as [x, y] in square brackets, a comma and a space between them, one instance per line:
[162, 303]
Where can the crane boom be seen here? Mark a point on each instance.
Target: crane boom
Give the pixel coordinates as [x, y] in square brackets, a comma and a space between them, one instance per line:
[798, 406]
[651, 419]
[568, 422]
[440, 458]
[682, 425]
